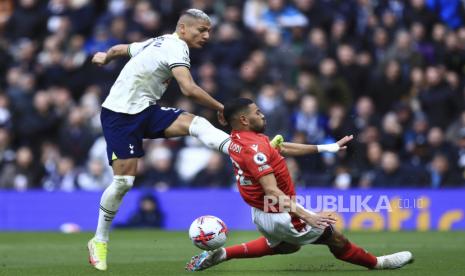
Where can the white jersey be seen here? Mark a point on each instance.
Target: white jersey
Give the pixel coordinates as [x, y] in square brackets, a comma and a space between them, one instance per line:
[146, 75]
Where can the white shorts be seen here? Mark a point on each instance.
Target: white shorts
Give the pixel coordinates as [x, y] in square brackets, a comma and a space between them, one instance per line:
[277, 228]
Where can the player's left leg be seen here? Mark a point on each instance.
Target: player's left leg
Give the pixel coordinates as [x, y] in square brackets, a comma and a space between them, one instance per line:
[200, 128]
[347, 251]
[252, 249]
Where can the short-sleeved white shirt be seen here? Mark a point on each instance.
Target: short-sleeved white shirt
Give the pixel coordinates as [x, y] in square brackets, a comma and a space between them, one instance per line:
[147, 74]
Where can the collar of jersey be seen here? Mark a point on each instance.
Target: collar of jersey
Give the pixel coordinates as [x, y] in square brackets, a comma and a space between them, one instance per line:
[176, 35]
[244, 131]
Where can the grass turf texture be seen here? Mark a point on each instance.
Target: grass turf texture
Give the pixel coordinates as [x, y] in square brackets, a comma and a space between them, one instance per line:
[165, 253]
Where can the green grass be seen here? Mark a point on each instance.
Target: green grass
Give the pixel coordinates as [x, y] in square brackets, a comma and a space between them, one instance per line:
[165, 253]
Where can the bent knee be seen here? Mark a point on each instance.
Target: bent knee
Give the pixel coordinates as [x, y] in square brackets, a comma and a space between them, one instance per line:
[337, 240]
[180, 127]
[123, 183]
[286, 248]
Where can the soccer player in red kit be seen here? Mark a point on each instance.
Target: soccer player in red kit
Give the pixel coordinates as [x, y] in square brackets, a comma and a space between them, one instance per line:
[265, 184]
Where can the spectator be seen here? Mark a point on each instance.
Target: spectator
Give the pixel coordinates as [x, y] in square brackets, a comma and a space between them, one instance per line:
[271, 104]
[422, 43]
[39, 123]
[22, 174]
[315, 50]
[391, 136]
[63, 178]
[454, 129]
[160, 173]
[215, 174]
[281, 16]
[281, 61]
[95, 177]
[392, 174]
[365, 115]
[7, 154]
[437, 99]
[27, 21]
[438, 145]
[335, 89]
[379, 44]
[454, 54]
[417, 11]
[365, 168]
[308, 121]
[404, 52]
[76, 138]
[350, 71]
[147, 215]
[442, 175]
[389, 88]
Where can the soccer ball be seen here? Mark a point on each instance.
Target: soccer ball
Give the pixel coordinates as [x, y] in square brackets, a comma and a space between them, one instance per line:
[208, 232]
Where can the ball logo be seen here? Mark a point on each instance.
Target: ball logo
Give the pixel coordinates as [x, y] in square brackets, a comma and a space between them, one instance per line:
[259, 158]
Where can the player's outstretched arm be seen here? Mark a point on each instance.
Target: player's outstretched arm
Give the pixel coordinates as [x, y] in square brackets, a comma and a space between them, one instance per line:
[285, 203]
[102, 58]
[190, 89]
[294, 149]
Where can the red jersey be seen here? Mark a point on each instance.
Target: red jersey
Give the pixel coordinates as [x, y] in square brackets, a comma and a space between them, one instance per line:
[253, 157]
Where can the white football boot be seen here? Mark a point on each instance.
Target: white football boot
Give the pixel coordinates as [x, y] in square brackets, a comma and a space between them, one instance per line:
[393, 261]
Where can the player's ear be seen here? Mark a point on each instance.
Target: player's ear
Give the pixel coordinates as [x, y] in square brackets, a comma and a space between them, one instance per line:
[244, 120]
[182, 28]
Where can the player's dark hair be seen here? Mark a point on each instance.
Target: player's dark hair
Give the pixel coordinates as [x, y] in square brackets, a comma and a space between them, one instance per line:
[235, 106]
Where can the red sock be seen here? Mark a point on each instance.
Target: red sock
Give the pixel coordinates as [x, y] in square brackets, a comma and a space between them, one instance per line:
[251, 249]
[355, 255]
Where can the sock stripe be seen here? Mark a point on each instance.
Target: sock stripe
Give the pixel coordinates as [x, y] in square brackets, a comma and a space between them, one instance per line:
[220, 148]
[107, 211]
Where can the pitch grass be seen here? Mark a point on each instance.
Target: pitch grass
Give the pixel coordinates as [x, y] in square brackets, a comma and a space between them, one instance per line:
[165, 253]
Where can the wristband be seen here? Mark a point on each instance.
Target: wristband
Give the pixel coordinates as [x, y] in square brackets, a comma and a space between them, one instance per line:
[334, 147]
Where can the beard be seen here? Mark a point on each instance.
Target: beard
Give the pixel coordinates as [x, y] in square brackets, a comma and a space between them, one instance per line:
[259, 128]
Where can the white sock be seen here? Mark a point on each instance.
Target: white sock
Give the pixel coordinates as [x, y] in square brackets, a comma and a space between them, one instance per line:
[209, 135]
[109, 204]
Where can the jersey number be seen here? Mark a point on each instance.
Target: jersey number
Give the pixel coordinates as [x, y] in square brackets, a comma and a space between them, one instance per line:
[240, 175]
[169, 109]
[158, 41]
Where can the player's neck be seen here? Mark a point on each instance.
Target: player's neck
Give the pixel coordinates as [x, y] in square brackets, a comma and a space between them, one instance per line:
[243, 130]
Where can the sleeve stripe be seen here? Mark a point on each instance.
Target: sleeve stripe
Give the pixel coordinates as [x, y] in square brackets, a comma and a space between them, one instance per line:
[171, 66]
[129, 52]
[220, 148]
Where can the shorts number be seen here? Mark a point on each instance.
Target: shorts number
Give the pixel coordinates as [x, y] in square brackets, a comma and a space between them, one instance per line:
[169, 109]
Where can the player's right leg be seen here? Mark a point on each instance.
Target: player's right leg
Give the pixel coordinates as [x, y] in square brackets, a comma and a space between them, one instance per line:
[346, 251]
[124, 171]
[123, 135]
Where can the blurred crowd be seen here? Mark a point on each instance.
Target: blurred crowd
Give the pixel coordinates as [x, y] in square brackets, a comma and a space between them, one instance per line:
[390, 72]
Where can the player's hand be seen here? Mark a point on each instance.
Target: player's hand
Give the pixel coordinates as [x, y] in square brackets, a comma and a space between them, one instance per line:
[100, 58]
[342, 143]
[221, 118]
[321, 220]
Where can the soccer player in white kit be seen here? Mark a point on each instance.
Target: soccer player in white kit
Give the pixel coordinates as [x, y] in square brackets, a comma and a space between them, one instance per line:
[130, 111]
